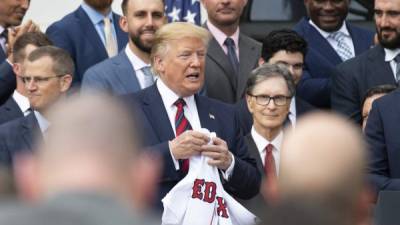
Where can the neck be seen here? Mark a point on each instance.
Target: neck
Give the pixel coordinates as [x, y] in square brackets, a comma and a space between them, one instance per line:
[228, 30]
[104, 11]
[268, 133]
[144, 56]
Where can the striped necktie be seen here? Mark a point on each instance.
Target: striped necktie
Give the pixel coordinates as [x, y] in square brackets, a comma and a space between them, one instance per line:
[230, 45]
[181, 125]
[342, 48]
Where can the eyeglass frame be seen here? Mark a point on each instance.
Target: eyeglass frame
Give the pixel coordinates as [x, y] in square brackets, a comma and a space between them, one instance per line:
[269, 99]
[39, 80]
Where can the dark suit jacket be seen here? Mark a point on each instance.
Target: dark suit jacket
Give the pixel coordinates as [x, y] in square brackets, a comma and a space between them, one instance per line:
[9, 111]
[315, 85]
[354, 77]
[221, 81]
[115, 75]
[76, 34]
[216, 117]
[18, 136]
[8, 82]
[246, 119]
[382, 133]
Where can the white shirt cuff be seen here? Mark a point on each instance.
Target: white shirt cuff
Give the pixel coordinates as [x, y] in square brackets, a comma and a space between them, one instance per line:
[228, 173]
[176, 162]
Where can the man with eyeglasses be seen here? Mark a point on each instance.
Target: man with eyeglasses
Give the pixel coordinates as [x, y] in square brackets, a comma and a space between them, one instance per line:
[269, 90]
[289, 49]
[47, 77]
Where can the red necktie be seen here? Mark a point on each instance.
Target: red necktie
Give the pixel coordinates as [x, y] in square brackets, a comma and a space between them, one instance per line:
[269, 166]
[181, 125]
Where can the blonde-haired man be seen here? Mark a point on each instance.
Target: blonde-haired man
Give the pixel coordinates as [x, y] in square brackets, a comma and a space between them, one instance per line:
[170, 112]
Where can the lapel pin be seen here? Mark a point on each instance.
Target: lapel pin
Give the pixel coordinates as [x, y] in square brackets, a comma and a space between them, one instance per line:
[211, 116]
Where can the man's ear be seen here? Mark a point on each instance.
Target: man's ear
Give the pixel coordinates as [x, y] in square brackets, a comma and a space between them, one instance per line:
[159, 65]
[123, 23]
[261, 61]
[27, 178]
[17, 68]
[66, 82]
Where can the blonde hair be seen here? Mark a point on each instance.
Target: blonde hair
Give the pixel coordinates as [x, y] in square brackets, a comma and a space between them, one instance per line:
[176, 31]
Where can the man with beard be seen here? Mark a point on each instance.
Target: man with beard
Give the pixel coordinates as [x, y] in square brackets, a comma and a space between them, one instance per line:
[129, 71]
[90, 34]
[331, 41]
[377, 66]
[231, 55]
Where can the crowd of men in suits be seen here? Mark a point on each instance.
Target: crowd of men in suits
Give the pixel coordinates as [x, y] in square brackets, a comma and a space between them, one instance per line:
[175, 79]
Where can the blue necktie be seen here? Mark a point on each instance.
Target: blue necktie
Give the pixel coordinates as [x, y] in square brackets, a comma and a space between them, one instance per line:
[230, 44]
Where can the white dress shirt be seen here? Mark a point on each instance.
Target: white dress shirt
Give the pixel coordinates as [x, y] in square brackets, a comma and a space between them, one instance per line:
[333, 42]
[292, 112]
[137, 65]
[22, 102]
[43, 122]
[261, 143]
[3, 40]
[190, 111]
[390, 54]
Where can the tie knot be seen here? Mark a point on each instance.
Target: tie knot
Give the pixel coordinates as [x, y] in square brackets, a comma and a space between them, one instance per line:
[107, 21]
[180, 103]
[337, 36]
[269, 148]
[147, 71]
[229, 42]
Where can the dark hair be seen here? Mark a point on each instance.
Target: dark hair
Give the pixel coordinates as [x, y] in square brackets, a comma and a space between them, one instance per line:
[62, 61]
[267, 71]
[283, 39]
[380, 89]
[124, 5]
[37, 39]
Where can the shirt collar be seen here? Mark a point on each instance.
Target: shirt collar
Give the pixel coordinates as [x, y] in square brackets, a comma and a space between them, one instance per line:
[220, 36]
[292, 108]
[169, 97]
[22, 101]
[390, 54]
[325, 34]
[94, 16]
[136, 62]
[43, 122]
[261, 142]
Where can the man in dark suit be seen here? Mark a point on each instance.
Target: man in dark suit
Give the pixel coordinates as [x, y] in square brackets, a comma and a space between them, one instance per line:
[382, 135]
[269, 90]
[377, 66]
[171, 115]
[47, 77]
[231, 55]
[18, 104]
[83, 34]
[287, 48]
[129, 71]
[331, 41]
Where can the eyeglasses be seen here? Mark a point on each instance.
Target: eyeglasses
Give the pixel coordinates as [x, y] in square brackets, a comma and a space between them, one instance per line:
[38, 80]
[279, 100]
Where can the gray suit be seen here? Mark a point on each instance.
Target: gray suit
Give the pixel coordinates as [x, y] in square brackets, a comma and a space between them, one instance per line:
[73, 208]
[221, 81]
[115, 75]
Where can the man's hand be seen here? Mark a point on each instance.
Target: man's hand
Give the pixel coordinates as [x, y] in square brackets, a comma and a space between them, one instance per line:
[219, 154]
[187, 144]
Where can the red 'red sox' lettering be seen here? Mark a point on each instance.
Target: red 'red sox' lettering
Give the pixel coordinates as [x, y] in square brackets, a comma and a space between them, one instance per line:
[209, 195]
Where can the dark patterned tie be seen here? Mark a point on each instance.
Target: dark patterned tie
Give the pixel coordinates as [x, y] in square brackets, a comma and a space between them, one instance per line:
[230, 45]
[181, 125]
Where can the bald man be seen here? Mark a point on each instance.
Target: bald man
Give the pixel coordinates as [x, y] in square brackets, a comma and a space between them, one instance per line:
[325, 168]
[80, 173]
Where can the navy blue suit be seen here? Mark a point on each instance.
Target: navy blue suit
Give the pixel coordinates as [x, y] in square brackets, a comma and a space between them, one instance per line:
[246, 119]
[18, 136]
[114, 75]
[8, 82]
[9, 111]
[382, 133]
[315, 85]
[353, 78]
[216, 117]
[76, 34]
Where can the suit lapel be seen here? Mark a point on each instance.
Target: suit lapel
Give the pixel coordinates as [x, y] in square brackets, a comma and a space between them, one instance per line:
[359, 40]
[90, 33]
[321, 45]
[206, 114]
[377, 66]
[219, 57]
[247, 54]
[12, 107]
[254, 153]
[153, 108]
[126, 74]
[30, 130]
